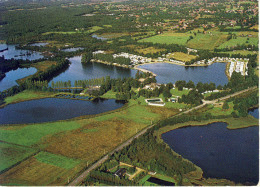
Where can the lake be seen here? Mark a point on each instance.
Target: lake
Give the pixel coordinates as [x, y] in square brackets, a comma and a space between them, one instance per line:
[10, 79]
[254, 112]
[18, 53]
[79, 71]
[218, 151]
[40, 44]
[53, 109]
[98, 37]
[171, 73]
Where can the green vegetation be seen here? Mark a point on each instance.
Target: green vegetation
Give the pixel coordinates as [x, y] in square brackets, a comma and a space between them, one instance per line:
[239, 41]
[11, 154]
[168, 38]
[56, 160]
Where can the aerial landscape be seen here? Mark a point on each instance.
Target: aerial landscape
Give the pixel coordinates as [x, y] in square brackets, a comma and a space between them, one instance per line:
[129, 92]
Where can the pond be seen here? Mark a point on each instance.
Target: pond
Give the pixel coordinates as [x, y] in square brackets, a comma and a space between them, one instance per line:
[10, 79]
[40, 44]
[160, 182]
[79, 71]
[99, 37]
[254, 112]
[218, 151]
[53, 109]
[14, 53]
[73, 49]
[171, 73]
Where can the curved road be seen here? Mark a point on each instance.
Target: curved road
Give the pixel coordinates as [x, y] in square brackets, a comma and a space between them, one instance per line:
[79, 179]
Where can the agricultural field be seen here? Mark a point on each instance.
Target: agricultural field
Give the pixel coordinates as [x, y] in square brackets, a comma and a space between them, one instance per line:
[239, 41]
[207, 41]
[181, 56]
[168, 38]
[148, 50]
[77, 142]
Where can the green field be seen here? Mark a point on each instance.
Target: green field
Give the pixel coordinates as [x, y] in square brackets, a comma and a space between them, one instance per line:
[168, 38]
[207, 41]
[57, 160]
[239, 41]
[11, 154]
[28, 135]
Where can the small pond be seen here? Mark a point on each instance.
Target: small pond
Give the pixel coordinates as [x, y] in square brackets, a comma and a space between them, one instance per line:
[171, 73]
[160, 182]
[98, 37]
[40, 44]
[53, 109]
[218, 151]
[79, 71]
[14, 53]
[254, 112]
[10, 79]
[73, 49]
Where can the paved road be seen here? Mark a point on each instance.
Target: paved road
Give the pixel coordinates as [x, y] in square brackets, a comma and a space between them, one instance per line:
[79, 180]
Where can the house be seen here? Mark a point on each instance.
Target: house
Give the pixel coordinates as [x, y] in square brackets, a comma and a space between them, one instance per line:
[152, 86]
[120, 172]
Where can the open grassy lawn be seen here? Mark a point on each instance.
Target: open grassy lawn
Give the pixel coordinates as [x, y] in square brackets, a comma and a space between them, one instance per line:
[168, 38]
[239, 41]
[11, 154]
[181, 56]
[207, 41]
[27, 95]
[255, 27]
[42, 66]
[144, 179]
[90, 30]
[176, 92]
[56, 160]
[148, 50]
[242, 52]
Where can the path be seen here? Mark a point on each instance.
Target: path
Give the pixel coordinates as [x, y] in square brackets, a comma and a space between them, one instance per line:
[79, 179]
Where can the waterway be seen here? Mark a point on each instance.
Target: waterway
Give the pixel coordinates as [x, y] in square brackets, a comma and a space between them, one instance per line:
[53, 109]
[14, 53]
[99, 37]
[10, 79]
[79, 71]
[40, 44]
[171, 73]
[218, 151]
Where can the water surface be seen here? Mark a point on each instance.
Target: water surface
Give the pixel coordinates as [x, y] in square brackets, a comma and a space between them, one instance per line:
[10, 79]
[73, 49]
[254, 112]
[220, 152]
[171, 73]
[53, 109]
[79, 71]
[19, 53]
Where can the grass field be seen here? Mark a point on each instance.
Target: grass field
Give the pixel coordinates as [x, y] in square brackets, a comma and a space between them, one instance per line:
[181, 56]
[207, 41]
[168, 38]
[239, 41]
[27, 95]
[42, 66]
[90, 30]
[56, 160]
[11, 154]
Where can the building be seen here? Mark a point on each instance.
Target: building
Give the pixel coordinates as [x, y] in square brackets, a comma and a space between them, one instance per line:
[120, 172]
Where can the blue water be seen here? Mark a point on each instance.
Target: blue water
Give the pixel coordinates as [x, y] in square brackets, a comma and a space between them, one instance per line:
[171, 73]
[254, 112]
[72, 49]
[218, 151]
[53, 109]
[18, 53]
[79, 71]
[98, 37]
[10, 79]
[40, 44]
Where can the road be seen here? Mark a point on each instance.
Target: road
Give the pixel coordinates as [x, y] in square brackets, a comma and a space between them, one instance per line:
[79, 179]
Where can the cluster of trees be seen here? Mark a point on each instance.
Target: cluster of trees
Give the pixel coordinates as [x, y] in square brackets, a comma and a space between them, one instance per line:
[193, 98]
[109, 58]
[86, 57]
[107, 178]
[242, 104]
[36, 85]
[200, 87]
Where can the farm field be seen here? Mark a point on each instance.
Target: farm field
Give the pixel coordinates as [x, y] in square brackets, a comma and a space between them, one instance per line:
[181, 56]
[239, 41]
[77, 143]
[168, 38]
[207, 41]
